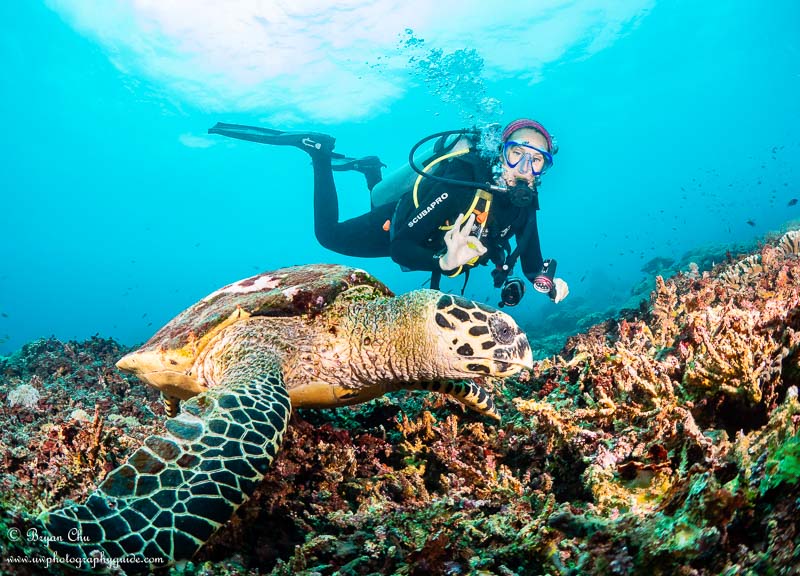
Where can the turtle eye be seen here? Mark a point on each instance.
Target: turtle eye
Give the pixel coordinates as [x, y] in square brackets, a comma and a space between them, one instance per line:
[502, 331]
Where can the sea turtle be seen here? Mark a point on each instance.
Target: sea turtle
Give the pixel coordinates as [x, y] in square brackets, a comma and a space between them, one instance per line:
[240, 359]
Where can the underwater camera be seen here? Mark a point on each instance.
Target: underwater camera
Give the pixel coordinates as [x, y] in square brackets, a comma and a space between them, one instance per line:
[544, 281]
[512, 292]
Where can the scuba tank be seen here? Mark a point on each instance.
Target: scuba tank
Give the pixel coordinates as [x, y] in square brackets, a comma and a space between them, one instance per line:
[402, 179]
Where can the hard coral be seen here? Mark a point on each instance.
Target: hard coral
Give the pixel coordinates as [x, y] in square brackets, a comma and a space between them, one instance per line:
[710, 351]
[49, 456]
[738, 342]
[664, 441]
[23, 395]
[739, 350]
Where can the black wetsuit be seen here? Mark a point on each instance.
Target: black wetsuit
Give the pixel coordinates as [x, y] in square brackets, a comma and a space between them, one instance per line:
[415, 241]
[362, 236]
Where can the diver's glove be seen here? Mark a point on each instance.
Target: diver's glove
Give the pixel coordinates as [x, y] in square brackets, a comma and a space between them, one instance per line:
[559, 291]
[462, 248]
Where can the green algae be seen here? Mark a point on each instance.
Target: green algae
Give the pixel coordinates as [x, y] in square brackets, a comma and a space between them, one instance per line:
[783, 466]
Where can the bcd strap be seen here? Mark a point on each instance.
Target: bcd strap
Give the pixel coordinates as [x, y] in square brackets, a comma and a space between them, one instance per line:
[511, 259]
[442, 158]
[466, 279]
[436, 277]
[481, 204]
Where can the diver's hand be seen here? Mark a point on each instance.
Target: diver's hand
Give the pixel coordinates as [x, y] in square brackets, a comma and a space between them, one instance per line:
[560, 290]
[461, 246]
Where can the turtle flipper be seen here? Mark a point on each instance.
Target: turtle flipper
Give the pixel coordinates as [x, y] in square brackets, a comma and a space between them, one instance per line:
[468, 392]
[174, 492]
[172, 404]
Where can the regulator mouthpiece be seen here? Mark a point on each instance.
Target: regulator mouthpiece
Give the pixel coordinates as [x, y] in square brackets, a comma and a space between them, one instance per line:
[521, 195]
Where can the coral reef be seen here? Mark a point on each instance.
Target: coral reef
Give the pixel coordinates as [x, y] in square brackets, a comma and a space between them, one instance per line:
[77, 428]
[24, 395]
[663, 441]
[82, 420]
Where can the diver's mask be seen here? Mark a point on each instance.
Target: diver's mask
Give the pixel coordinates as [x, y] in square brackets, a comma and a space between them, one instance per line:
[526, 158]
[512, 292]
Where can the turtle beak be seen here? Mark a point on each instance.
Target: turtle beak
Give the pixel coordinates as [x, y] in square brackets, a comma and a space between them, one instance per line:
[513, 359]
[148, 366]
[128, 363]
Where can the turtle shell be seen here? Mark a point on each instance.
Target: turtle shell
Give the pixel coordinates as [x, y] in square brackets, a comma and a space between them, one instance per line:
[293, 291]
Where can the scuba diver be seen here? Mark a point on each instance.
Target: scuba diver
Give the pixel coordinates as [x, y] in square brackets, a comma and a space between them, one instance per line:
[459, 210]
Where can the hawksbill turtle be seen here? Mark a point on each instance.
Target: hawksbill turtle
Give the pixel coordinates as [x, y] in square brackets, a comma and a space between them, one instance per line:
[239, 360]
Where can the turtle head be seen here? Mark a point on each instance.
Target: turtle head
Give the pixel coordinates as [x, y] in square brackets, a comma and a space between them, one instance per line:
[477, 340]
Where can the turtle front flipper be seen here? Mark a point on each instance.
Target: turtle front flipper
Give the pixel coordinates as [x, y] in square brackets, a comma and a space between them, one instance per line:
[175, 491]
[468, 392]
[172, 404]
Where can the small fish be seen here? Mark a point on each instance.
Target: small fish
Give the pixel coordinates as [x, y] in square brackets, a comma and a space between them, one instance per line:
[144, 315]
[792, 202]
[3, 314]
[751, 222]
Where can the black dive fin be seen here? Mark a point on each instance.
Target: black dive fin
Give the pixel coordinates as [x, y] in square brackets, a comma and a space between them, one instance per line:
[369, 166]
[242, 132]
[304, 140]
[358, 164]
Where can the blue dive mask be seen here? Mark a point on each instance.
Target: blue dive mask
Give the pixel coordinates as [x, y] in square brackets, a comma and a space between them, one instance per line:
[527, 157]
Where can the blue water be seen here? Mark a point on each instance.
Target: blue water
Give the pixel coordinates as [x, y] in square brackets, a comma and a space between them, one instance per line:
[678, 123]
